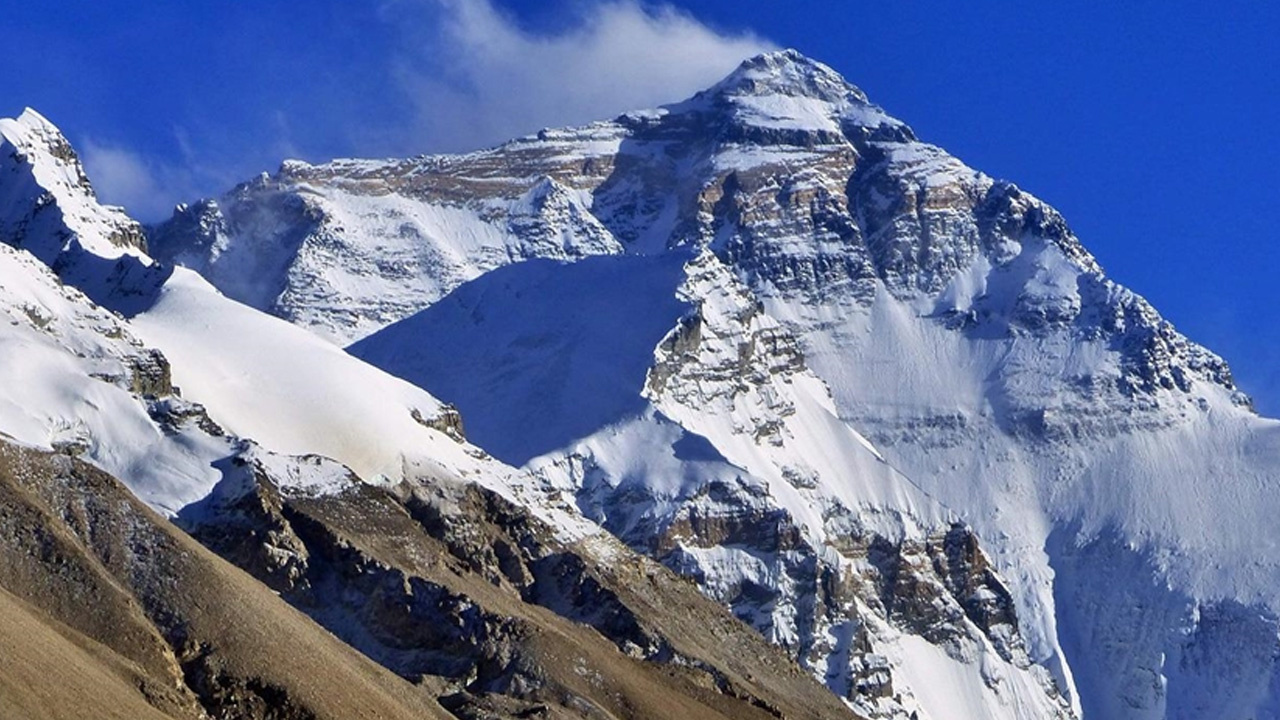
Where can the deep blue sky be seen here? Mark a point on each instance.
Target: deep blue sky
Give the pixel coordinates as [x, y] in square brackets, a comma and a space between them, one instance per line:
[1153, 126]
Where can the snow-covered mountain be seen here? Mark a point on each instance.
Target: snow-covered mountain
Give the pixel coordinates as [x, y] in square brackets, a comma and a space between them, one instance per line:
[103, 338]
[771, 338]
[397, 569]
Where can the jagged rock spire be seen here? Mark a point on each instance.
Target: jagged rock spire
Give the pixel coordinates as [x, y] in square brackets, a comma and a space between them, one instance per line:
[49, 206]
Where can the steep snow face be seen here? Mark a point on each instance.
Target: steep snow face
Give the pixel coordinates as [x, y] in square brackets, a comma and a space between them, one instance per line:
[539, 353]
[960, 327]
[734, 375]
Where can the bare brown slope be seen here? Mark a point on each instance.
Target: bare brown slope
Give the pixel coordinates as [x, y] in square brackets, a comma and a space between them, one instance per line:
[188, 629]
[635, 602]
[50, 672]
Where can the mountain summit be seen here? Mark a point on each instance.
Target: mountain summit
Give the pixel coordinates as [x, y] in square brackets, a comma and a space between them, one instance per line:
[786, 90]
[886, 411]
[786, 72]
[49, 201]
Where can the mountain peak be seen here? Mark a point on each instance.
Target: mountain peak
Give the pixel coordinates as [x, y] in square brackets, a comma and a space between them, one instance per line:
[53, 205]
[784, 97]
[35, 136]
[788, 72]
[32, 120]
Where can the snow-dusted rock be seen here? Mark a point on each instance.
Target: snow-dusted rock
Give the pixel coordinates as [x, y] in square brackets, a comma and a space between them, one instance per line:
[47, 205]
[681, 417]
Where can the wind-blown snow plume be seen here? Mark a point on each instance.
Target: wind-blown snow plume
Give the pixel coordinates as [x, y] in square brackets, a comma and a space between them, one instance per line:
[478, 78]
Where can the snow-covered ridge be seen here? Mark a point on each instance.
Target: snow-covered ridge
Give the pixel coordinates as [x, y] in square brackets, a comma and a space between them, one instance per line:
[348, 257]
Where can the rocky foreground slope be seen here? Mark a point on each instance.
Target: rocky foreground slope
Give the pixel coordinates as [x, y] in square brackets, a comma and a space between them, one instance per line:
[773, 340]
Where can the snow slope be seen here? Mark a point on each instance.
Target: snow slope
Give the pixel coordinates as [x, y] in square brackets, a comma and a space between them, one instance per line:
[73, 374]
[152, 374]
[292, 392]
[540, 353]
[281, 386]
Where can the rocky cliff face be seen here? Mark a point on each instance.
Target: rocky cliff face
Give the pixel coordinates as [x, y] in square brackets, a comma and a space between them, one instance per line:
[454, 586]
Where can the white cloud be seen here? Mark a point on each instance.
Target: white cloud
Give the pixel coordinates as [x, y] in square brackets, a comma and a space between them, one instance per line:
[457, 75]
[123, 177]
[476, 77]
[148, 187]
